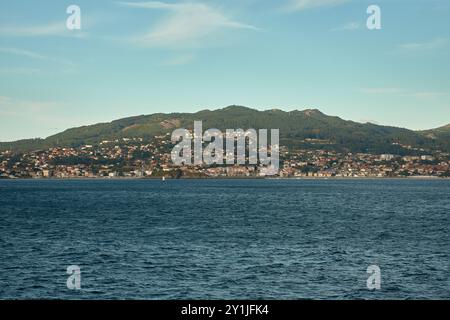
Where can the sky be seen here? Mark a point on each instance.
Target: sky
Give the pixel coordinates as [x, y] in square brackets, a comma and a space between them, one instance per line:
[142, 57]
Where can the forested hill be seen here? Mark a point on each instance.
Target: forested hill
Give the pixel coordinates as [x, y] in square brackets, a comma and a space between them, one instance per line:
[307, 129]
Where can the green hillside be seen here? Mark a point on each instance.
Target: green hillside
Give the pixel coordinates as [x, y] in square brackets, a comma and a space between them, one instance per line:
[442, 133]
[308, 128]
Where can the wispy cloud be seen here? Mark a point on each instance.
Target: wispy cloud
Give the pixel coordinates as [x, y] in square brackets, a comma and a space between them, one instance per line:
[300, 5]
[424, 46]
[405, 93]
[381, 90]
[37, 114]
[20, 71]
[430, 94]
[348, 27]
[22, 52]
[4, 99]
[52, 29]
[16, 107]
[34, 55]
[186, 24]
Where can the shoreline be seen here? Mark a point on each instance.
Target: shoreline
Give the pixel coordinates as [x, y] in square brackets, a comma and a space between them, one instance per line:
[230, 178]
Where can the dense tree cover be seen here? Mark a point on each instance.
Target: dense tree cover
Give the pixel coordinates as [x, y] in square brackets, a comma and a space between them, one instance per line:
[442, 133]
[77, 160]
[306, 129]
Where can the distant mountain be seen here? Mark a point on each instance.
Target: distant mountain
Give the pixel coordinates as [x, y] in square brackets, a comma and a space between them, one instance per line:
[307, 129]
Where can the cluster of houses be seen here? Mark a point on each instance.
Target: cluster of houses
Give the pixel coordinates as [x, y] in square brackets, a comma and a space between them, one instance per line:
[307, 163]
[135, 158]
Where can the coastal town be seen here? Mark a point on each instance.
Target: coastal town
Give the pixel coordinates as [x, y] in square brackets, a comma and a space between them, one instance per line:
[136, 158]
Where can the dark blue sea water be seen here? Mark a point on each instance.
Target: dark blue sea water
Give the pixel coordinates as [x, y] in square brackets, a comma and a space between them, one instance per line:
[225, 239]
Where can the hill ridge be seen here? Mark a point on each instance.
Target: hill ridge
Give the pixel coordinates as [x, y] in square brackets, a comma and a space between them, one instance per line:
[297, 129]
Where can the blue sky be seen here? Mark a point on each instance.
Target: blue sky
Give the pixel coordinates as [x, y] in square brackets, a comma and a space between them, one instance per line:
[132, 58]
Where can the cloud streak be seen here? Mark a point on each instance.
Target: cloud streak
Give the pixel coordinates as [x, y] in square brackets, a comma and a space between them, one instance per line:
[33, 55]
[36, 114]
[351, 26]
[52, 29]
[10, 106]
[301, 5]
[186, 24]
[424, 46]
[405, 93]
[381, 90]
[4, 100]
[21, 52]
[20, 71]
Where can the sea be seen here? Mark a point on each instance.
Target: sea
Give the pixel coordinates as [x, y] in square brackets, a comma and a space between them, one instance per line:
[225, 239]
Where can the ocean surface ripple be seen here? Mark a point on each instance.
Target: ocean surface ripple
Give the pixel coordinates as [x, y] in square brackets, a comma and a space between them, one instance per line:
[225, 239]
